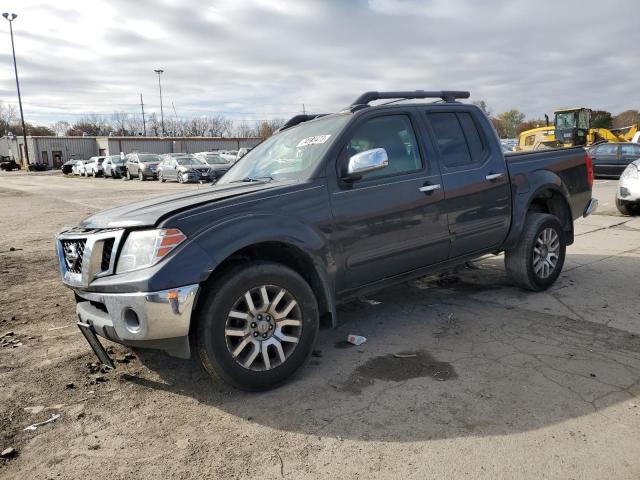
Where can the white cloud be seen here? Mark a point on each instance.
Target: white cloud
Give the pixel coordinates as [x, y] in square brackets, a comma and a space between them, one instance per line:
[264, 58]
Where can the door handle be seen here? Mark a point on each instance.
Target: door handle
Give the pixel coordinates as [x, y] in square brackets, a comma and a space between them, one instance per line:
[494, 176]
[430, 188]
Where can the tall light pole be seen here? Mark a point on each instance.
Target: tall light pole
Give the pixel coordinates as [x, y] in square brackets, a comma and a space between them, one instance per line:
[11, 17]
[160, 72]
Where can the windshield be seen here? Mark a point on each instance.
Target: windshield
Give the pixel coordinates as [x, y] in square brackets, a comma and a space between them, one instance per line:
[292, 154]
[189, 161]
[566, 120]
[116, 160]
[149, 158]
[215, 159]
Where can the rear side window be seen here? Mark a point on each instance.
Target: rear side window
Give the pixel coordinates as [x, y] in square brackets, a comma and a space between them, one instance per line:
[628, 149]
[458, 139]
[474, 140]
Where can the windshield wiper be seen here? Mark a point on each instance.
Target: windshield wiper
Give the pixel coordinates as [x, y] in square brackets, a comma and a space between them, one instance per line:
[265, 178]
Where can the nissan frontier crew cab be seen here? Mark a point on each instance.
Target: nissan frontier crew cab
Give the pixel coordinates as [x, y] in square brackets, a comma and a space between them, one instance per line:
[333, 206]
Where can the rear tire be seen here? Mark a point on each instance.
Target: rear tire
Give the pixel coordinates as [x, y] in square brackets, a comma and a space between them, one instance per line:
[161, 178]
[536, 261]
[224, 310]
[630, 209]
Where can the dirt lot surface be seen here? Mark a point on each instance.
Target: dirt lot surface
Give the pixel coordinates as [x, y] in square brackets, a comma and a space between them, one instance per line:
[462, 376]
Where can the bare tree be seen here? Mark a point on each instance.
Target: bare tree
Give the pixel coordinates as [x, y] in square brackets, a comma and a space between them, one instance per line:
[119, 122]
[197, 126]
[245, 129]
[61, 127]
[268, 127]
[7, 118]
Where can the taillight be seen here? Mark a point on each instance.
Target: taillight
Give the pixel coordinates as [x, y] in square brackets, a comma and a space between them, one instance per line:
[589, 162]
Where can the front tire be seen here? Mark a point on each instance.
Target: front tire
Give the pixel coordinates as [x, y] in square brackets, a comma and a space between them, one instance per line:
[257, 325]
[536, 261]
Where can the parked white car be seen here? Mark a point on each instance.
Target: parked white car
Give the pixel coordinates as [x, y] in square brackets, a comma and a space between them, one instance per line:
[93, 168]
[628, 192]
[80, 168]
[229, 155]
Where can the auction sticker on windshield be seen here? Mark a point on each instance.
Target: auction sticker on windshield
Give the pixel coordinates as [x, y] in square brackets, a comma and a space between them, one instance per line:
[317, 139]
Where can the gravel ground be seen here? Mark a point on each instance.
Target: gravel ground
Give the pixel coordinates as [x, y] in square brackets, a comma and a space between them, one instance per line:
[462, 375]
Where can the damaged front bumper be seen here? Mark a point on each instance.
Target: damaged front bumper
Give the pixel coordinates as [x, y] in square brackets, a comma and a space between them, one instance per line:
[158, 320]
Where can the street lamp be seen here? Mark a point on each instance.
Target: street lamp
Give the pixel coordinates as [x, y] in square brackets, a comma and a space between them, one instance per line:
[11, 17]
[160, 72]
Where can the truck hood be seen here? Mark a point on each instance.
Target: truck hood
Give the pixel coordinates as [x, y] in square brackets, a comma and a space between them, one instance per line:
[149, 212]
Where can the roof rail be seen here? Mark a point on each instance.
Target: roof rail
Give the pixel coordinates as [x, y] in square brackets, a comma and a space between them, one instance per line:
[293, 121]
[446, 95]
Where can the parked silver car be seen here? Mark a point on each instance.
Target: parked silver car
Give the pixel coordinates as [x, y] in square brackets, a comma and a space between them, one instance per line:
[113, 166]
[185, 169]
[142, 165]
[218, 165]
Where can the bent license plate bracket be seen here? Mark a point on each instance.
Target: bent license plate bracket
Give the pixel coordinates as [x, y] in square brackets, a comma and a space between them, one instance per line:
[94, 343]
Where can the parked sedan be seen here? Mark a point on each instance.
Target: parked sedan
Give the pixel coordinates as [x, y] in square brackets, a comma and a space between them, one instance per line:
[628, 193]
[229, 155]
[93, 168]
[218, 166]
[142, 165]
[113, 166]
[183, 169]
[611, 159]
[67, 167]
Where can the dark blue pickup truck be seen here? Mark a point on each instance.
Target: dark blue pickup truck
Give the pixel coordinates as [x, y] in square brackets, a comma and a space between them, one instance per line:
[331, 207]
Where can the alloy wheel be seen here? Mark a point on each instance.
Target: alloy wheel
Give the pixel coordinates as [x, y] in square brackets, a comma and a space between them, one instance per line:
[263, 327]
[546, 252]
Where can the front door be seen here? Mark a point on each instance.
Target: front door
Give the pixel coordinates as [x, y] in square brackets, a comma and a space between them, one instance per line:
[57, 158]
[389, 221]
[475, 181]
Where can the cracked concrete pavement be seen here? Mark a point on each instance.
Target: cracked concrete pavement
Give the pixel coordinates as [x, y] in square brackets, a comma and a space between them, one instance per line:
[462, 374]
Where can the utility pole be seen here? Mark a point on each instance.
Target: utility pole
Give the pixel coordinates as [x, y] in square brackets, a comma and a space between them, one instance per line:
[144, 124]
[175, 115]
[160, 72]
[11, 17]
[304, 110]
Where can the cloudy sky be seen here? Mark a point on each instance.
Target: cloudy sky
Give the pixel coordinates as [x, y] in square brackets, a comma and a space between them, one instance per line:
[256, 59]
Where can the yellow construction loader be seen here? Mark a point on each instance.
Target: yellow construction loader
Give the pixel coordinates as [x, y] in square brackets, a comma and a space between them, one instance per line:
[572, 127]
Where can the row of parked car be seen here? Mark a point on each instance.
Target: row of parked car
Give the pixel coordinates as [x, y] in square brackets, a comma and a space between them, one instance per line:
[176, 167]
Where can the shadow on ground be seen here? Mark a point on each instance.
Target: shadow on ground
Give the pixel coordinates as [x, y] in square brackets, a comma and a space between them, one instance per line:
[441, 361]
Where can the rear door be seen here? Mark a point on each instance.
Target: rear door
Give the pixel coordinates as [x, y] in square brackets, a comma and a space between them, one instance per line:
[390, 221]
[474, 177]
[628, 153]
[606, 160]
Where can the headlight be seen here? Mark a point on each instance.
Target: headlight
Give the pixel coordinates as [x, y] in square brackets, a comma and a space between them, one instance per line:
[144, 248]
[631, 172]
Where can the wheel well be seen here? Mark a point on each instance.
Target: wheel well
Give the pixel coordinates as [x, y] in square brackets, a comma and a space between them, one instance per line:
[553, 202]
[284, 254]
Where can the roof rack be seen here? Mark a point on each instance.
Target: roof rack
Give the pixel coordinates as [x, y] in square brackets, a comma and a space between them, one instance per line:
[293, 121]
[446, 95]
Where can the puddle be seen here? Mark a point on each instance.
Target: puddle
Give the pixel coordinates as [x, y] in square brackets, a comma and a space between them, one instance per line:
[394, 369]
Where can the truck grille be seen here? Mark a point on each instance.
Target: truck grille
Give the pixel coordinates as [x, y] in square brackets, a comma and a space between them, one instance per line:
[87, 254]
[73, 251]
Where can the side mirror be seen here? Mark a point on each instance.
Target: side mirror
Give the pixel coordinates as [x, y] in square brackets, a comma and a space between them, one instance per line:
[366, 162]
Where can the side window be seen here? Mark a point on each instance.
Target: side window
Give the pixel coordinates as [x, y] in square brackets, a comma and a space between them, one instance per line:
[629, 149]
[474, 140]
[529, 140]
[450, 140]
[395, 134]
[608, 149]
